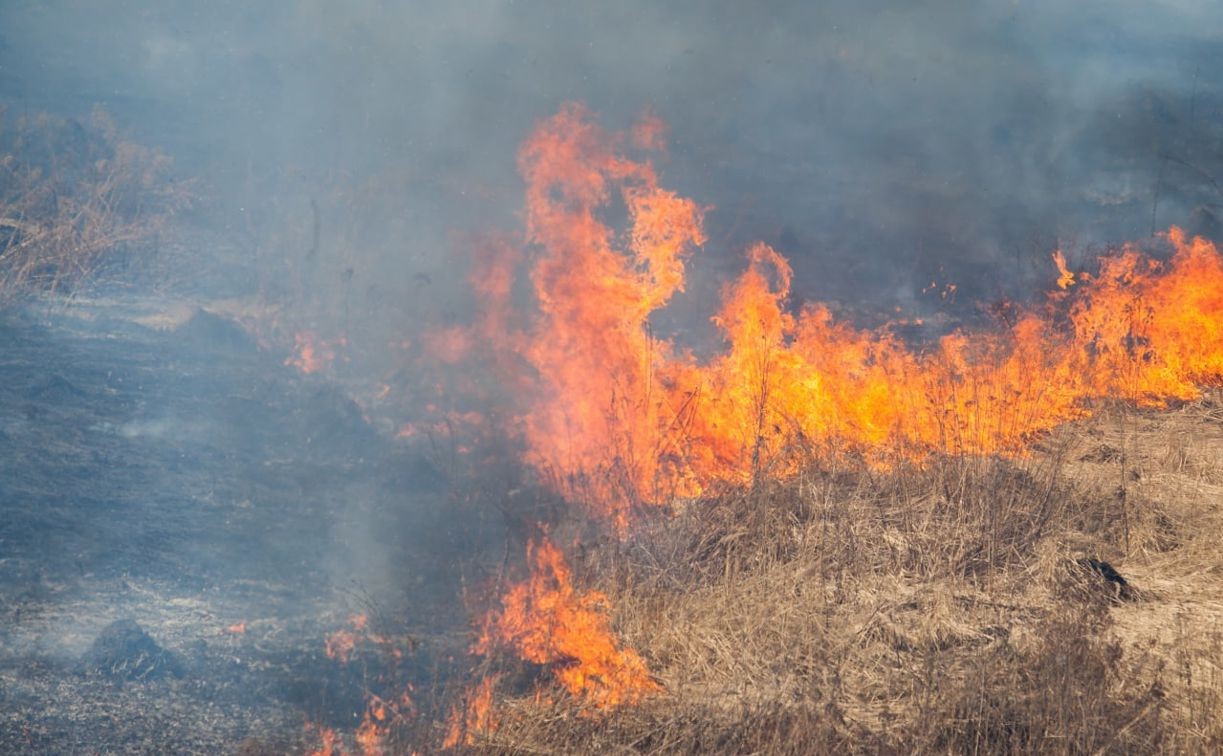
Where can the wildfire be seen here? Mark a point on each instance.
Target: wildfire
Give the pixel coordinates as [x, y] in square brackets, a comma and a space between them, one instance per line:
[473, 715]
[381, 714]
[330, 743]
[546, 620]
[340, 645]
[617, 416]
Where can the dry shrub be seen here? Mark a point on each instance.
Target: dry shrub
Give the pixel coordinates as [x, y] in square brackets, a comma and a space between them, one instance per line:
[77, 200]
[943, 609]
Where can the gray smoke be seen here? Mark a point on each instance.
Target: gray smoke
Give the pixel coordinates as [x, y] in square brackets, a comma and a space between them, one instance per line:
[882, 146]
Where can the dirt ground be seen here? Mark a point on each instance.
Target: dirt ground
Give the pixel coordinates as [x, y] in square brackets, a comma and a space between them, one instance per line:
[238, 511]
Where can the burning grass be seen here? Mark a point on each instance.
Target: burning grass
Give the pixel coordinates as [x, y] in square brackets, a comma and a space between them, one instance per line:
[620, 416]
[545, 620]
[951, 608]
[827, 539]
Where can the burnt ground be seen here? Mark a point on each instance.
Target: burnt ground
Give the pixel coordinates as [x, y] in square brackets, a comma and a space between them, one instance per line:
[190, 482]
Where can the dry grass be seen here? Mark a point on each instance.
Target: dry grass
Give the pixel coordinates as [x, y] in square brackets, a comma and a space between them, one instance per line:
[77, 200]
[944, 609]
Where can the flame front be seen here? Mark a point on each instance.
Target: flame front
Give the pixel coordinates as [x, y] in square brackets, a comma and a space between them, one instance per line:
[618, 417]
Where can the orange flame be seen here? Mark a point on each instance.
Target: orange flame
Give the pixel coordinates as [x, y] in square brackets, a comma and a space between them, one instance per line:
[380, 713]
[340, 645]
[591, 350]
[474, 716]
[330, 743]
[311, 354]
[371, 733]
[1065, 279]
[618, 417]
[546, 620]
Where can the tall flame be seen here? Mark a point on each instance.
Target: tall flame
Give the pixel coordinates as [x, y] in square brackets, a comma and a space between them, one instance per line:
[618, 417]
[595, 416]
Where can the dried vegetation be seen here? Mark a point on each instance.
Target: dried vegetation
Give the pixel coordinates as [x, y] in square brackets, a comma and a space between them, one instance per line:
[78, 200]
[962, 607]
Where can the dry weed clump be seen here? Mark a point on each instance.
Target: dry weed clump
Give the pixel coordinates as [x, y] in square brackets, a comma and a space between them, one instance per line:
[77, 200]
[960, 607]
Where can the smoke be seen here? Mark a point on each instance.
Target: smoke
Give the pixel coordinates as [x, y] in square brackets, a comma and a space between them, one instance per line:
[881, 145]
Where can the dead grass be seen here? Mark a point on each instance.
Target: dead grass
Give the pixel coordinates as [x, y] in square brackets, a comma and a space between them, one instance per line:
[931, 610]
[77, 200]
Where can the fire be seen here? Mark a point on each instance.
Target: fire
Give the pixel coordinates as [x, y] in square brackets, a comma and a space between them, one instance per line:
[371, 733]
[381, 714]
[370, 736]
[1065, 279]
[618, 417]
[546, 620]
[330, 743]
[340, 645]
[312, 354]
[592, 408]
[474, 716]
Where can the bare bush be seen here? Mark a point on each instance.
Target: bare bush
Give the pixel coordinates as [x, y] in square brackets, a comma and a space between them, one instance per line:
[77, 200]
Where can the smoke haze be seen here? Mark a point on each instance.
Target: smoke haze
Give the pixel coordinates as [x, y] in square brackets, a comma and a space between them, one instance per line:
[881, 146]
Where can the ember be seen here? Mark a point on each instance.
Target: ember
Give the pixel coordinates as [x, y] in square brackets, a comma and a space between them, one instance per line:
[312, 354]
